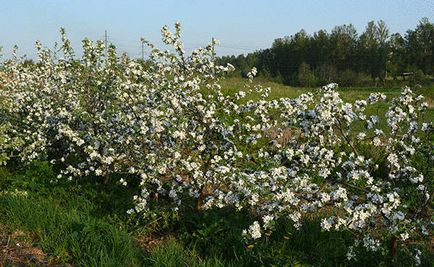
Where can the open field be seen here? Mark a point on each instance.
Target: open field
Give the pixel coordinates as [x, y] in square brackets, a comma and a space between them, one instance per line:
[232, 85]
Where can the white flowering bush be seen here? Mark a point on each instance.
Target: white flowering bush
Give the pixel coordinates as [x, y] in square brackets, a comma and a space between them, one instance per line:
[166, 126]
[7, 141]
[3, 144]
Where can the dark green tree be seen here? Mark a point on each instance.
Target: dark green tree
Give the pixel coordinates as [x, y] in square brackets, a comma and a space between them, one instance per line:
[305, 76]
[420, 46]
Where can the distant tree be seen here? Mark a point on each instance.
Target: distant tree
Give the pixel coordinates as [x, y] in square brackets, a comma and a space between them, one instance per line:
[320, 49]
[326, 73]
[375, 53]
[343, 41]
[420, 46]
[348, 77]
[396, 57]
[374, 49]
[382, 37]
[305, 75]
[282, 59]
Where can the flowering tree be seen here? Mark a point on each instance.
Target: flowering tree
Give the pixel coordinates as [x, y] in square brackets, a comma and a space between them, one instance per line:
[167, 124]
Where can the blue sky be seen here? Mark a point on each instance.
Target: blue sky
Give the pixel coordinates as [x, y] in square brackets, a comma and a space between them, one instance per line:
[242, 26]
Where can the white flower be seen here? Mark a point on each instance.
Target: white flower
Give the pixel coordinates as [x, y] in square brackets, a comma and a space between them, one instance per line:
[107, 160]
[326, 224]
[267, 219]
[80, 142]
[404, 236]
[93, 155]
[255, 230]
[393, 160]
[417, 255]
[351, 254]
[123, 182]
[376, 141]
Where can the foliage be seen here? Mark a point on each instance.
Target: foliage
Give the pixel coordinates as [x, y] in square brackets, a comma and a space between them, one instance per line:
[305, 76]
[375, 52]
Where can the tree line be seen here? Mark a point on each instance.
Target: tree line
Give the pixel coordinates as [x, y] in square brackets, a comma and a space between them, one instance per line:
[375, 57]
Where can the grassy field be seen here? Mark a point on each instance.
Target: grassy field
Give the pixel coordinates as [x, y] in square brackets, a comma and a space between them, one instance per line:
[85, 224]
[232, 85]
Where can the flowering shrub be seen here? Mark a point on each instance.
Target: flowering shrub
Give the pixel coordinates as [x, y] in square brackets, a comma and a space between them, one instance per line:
[167, 124]
[7, 142]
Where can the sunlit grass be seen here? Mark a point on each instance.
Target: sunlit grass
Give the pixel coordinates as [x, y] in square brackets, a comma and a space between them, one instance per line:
[233, 85]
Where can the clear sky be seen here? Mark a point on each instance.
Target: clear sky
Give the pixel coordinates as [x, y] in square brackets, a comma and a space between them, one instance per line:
[242, 26]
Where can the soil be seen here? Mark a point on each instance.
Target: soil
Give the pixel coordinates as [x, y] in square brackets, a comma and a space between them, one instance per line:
[16, 249]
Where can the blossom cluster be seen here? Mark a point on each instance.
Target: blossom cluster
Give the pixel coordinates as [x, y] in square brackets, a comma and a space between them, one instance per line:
[166, 124]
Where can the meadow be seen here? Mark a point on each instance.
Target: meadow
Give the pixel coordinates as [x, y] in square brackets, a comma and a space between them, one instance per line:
[109, 161]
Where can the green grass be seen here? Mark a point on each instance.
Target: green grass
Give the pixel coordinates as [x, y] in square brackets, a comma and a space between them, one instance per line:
[173, 253]
[233, 85]
[70, 235]
[66, 225]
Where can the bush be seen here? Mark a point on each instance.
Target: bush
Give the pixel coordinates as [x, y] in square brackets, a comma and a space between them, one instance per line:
[326, 74]
[348, 78]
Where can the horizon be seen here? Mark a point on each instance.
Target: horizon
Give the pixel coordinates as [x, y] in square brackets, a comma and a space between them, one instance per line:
[241, 27]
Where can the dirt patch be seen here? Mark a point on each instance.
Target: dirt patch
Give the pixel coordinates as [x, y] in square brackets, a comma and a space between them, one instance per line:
[149, 242]
[283, 136]
[16, 249]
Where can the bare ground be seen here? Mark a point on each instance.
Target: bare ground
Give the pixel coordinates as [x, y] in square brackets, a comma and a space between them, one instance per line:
[16, 249]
